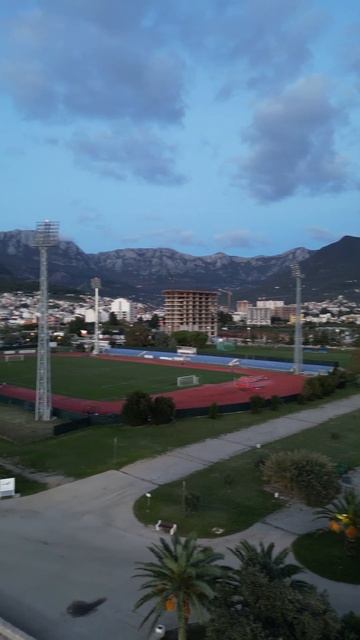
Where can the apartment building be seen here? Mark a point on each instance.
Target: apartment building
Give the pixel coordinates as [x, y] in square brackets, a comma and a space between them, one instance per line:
[191, 311]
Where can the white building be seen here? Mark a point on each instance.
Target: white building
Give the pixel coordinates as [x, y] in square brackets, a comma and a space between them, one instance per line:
[259, 315]
[269, 304]
[89, 315]
[124, 309]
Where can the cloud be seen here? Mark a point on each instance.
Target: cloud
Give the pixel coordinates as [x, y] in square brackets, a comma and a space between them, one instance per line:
[292, 144]
[140, 153]
[98, 59]
[259, 44]
[237, 238]
[320, 234]
[170, 236]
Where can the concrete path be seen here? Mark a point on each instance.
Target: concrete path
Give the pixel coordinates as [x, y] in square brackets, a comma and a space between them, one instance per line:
[81, 540]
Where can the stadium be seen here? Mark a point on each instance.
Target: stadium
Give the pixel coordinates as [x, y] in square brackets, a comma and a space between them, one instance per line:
[84, 384]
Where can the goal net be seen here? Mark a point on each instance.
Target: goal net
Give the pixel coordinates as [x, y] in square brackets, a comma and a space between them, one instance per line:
[187, 381]
[14, 357]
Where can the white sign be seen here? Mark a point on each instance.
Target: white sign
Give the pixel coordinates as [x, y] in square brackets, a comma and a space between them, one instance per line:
[7, 487]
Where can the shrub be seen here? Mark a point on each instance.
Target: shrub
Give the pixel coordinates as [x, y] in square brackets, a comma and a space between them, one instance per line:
[213, 412]
[162, 410]
[192, 502]
[305, 475]
[257, 403]
[275, 403]
[312, 389]
[137, 408]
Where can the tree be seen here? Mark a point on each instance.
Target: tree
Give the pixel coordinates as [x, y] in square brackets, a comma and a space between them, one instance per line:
[224, 319]
[182, 578]
[162, 340]
[76, 325]
[154, 323]
[137, 409]
[261, 600]
[138, 335]
[274, 566]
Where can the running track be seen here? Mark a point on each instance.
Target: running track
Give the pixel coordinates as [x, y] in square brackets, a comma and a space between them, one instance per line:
[265, 384]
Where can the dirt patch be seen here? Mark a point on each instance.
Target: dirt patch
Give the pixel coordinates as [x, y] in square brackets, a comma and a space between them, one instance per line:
[18, 425]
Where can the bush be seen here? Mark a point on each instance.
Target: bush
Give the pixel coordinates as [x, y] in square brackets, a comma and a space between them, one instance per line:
[137, 409]
[350, 628]
[192, 502]
[305, 475]
[213, 411]
[275, 403]
[312, 389]
[140, 409]
[257, 403]
[162, 410]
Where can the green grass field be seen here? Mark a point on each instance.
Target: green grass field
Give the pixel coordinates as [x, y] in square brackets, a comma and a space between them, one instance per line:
[323, 553]
[237, 506]
[94, 379]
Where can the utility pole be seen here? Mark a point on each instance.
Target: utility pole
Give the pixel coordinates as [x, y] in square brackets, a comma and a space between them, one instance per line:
[46, 236]
[298, 342]
[96, 284]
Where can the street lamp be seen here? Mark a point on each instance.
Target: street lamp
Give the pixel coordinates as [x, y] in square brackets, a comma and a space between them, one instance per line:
[96, 284]
[298, 346]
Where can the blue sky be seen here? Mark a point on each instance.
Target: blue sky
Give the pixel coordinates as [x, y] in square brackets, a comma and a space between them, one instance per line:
[230, 125]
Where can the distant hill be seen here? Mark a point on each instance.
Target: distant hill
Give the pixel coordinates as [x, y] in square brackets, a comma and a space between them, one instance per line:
[144, 273]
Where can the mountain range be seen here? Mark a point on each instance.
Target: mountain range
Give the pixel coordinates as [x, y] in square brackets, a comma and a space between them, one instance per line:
[143, 274]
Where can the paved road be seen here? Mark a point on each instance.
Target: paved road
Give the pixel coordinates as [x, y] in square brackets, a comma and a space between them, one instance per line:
[80, 540]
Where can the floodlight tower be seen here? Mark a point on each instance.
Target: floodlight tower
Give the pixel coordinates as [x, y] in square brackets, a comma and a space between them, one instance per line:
[96, 284]
[46, 236]
[298, 346]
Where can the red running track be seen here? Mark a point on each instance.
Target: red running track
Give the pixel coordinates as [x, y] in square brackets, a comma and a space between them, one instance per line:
[265, 384]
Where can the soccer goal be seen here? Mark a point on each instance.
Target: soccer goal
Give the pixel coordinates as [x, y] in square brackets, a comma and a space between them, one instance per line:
[14, 357]
[187, 381]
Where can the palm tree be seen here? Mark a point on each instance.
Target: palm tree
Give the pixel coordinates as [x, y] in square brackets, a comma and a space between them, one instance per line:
[274, 567]
[182, 578]
[344, 517]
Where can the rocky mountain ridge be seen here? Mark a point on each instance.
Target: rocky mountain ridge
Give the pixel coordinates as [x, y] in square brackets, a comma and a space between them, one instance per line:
[144, 273]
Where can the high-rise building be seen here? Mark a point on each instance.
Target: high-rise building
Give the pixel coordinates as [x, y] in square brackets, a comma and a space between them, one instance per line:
[124, 309]
[191, 311]
[259, 315]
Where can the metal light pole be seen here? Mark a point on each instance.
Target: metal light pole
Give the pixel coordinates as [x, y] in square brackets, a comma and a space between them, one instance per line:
[96, 284]
[298, 342]
[46, 236]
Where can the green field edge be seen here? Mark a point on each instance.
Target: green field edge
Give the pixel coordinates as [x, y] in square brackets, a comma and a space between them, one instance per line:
[97, 449]
[323, 552]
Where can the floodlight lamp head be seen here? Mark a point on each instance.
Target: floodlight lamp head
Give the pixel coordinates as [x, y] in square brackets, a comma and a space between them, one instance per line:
[46, 234]
[95, 283]
[295, 270]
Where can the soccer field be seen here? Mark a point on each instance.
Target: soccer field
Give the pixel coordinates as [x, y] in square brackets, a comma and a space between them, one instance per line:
[103, 379]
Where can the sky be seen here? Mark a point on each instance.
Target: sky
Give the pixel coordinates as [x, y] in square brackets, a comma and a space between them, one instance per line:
[209, 126]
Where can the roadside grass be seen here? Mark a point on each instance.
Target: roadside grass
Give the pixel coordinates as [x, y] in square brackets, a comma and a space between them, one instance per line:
[232, 497]
[86, 377]
[23, 485]
[96, 449]
[323, 553]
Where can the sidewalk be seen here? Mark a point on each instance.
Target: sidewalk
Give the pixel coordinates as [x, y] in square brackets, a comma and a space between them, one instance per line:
[178, 463]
